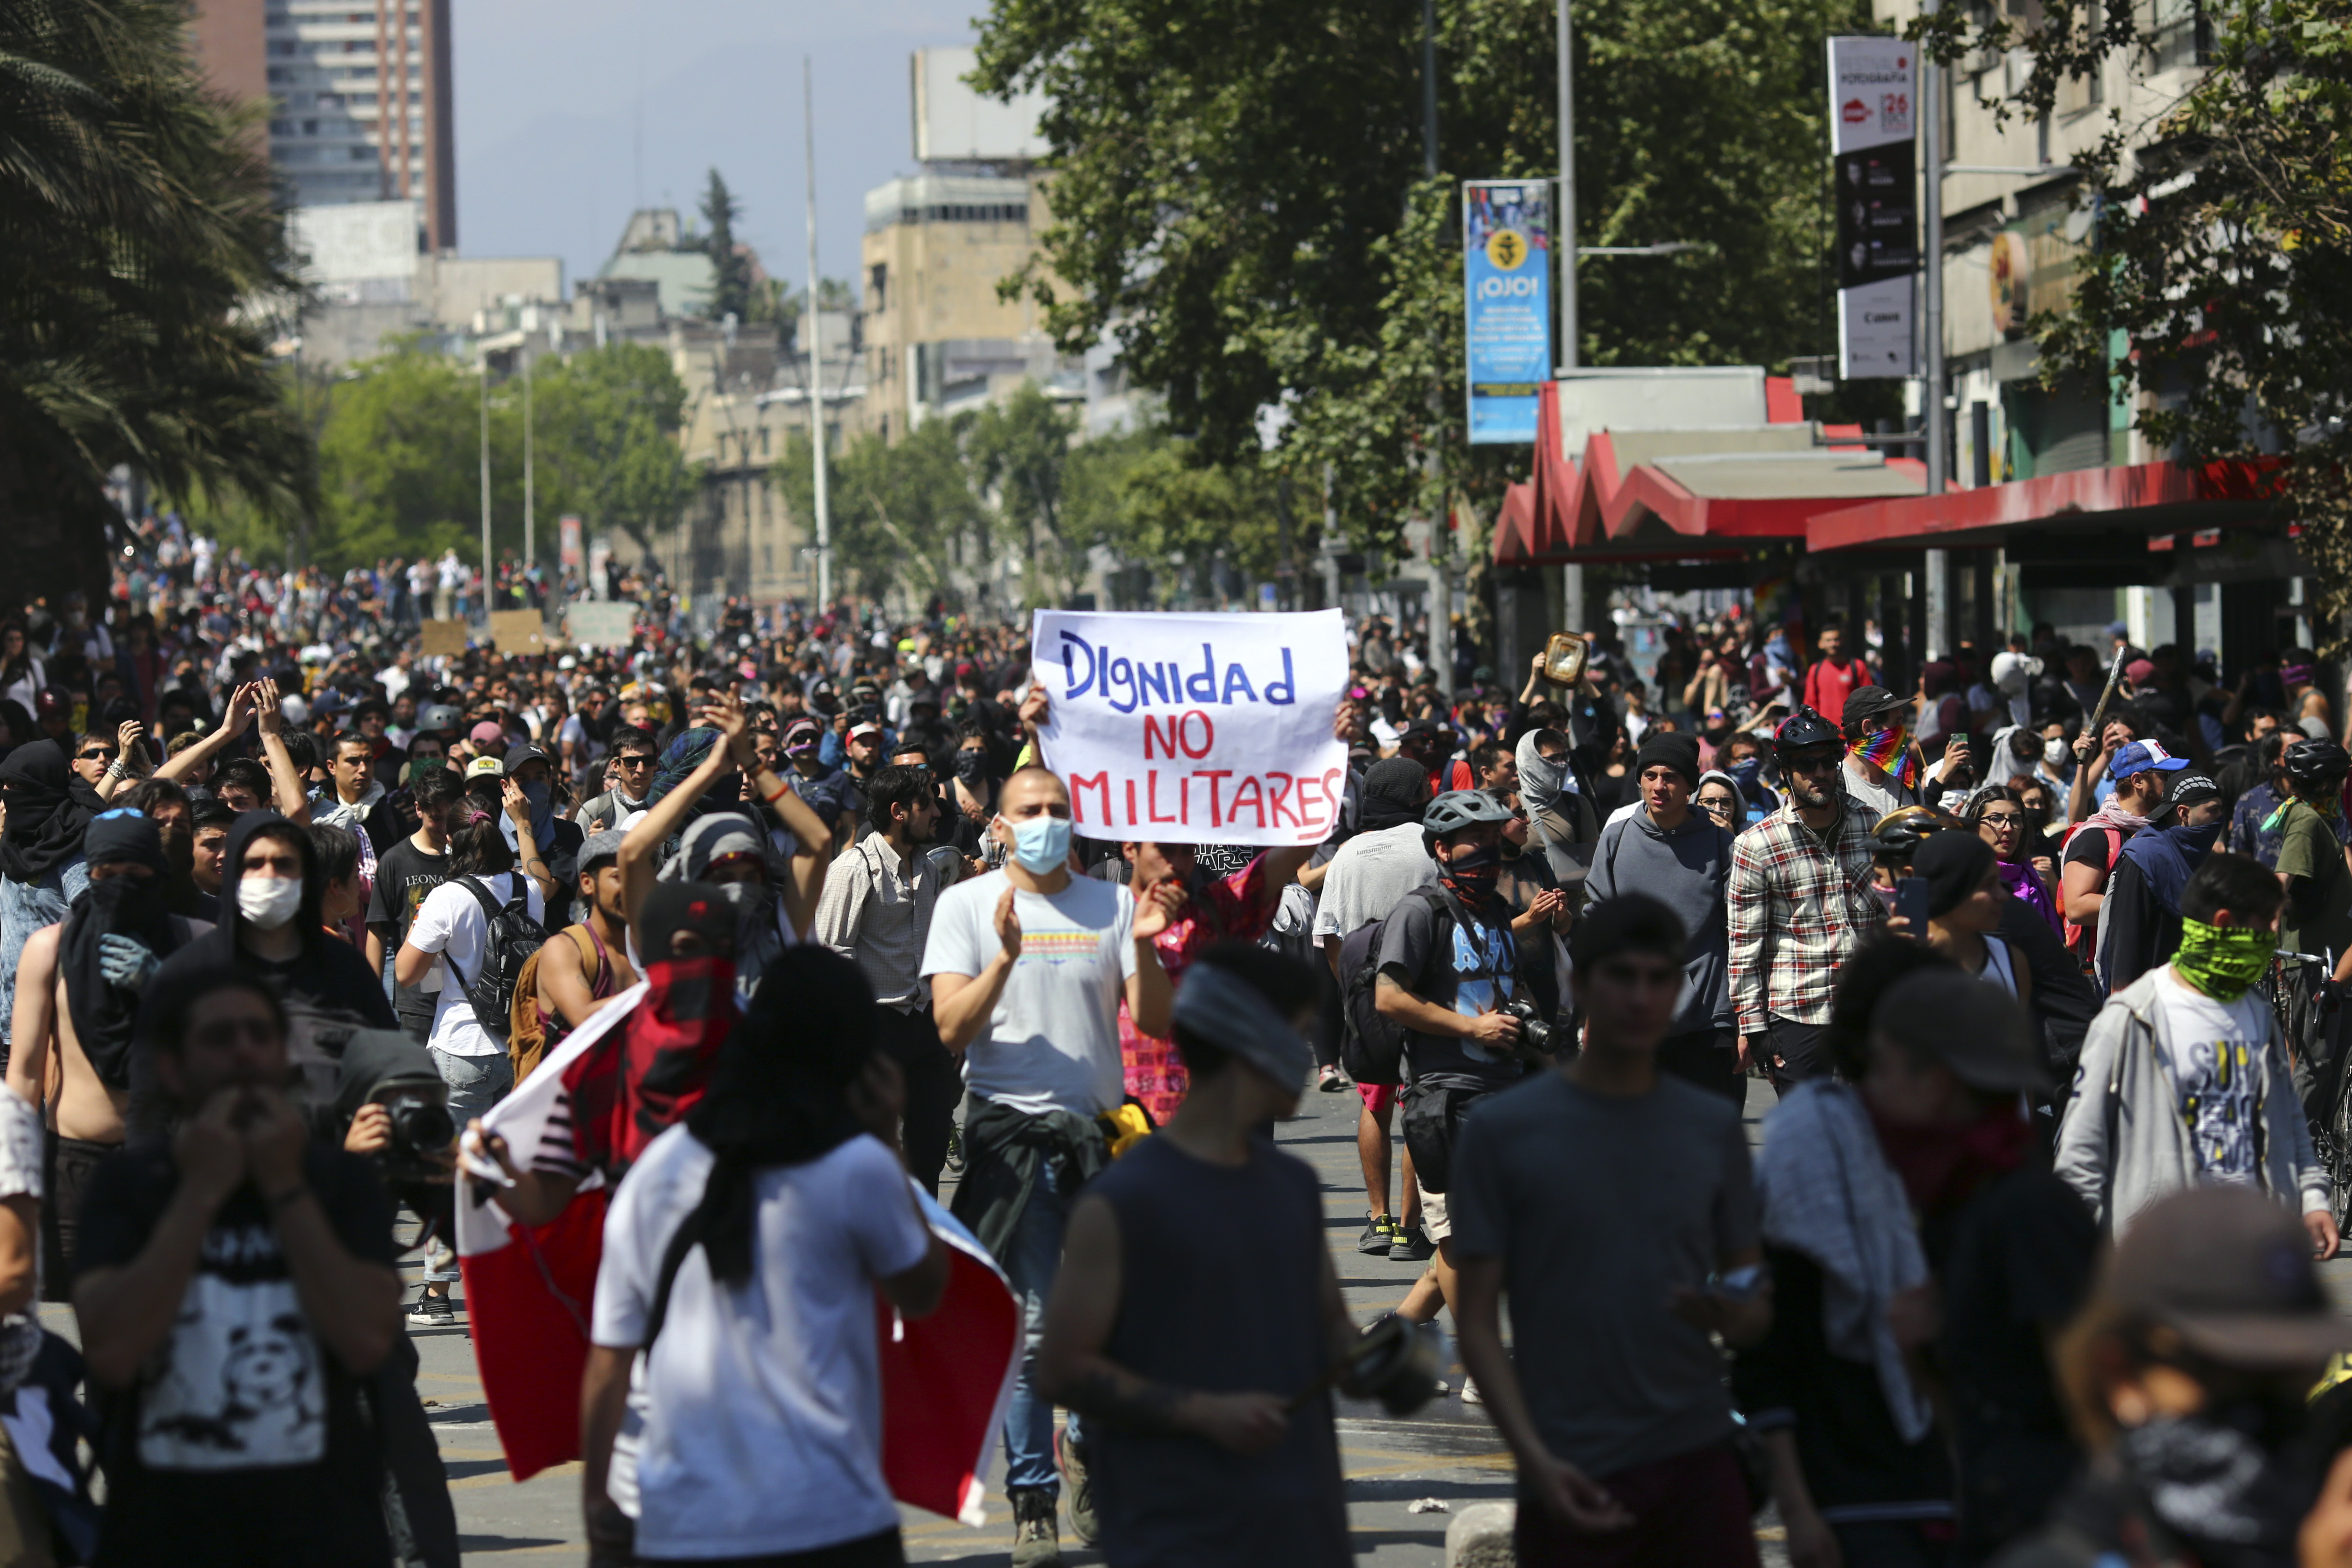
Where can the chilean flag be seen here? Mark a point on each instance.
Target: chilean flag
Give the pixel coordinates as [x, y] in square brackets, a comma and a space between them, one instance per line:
[946, 1379]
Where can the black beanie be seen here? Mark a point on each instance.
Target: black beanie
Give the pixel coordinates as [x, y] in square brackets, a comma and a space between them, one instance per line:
[1679, 752]
[1393, 793]
[1955, 863]
[123, 834]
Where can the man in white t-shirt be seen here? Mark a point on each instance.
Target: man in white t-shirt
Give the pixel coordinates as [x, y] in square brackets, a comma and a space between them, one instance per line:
[752, 1443]
[1028, 965]
[445, 942]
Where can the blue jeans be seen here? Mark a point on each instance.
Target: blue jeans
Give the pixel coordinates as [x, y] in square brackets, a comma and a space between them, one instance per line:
[1033, 1257]
[475, 1083]
[26, 908]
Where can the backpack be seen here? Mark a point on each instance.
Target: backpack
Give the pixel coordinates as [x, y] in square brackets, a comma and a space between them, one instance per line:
[1371, 1044]
[506, 947]
[2078, 937]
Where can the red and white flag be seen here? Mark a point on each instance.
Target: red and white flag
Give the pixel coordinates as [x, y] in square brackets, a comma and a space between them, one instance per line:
[530, 1291]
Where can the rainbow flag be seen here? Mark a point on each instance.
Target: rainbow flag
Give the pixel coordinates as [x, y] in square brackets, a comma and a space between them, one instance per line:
[1890, 750]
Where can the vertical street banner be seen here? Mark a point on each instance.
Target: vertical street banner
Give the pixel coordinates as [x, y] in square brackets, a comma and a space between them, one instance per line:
[1873, 142]
[1507, 284]
[1210, 729]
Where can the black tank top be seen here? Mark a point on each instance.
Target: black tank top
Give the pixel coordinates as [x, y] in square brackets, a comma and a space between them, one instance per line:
[1220, 1289]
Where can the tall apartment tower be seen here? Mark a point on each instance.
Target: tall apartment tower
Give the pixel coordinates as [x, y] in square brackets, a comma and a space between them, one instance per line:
[359, 95]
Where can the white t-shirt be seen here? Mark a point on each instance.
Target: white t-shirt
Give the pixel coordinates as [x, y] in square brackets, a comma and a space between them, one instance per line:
[1369, 874]
[451, 922]
[1053, 1042]
[761, 1407]
[2215, 1046]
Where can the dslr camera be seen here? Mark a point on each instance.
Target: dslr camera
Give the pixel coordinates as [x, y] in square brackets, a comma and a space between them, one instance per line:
[1532, 1027]
[385, 1067]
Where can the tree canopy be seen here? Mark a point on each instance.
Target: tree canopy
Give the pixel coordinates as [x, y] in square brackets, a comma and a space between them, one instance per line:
[1239, 200]
[731, 290]
[138, 232]
[2216, 295]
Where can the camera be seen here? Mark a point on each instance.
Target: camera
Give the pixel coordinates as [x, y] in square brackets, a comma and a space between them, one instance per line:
[385, 1067]
[1532, 1027]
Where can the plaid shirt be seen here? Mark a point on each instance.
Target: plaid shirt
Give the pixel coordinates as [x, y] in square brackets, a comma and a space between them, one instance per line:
[1799, 904]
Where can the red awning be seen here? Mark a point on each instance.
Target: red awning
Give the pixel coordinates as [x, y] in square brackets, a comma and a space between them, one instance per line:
[2156, 498]
[1696, 494]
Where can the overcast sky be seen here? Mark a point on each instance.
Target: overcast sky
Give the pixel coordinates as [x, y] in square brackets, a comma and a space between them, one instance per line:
[551, 99]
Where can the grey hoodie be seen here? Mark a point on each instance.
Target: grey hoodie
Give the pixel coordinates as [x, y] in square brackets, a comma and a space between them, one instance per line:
[2123, 1144]
[1688, 869]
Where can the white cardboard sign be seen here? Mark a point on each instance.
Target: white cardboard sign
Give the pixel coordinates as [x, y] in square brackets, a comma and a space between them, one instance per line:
[1195, 727]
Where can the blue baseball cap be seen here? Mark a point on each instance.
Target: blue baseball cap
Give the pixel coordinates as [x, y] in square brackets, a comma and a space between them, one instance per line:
[2140, 756]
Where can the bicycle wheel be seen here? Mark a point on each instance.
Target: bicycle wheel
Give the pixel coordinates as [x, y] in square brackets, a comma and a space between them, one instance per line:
[2336, 1155]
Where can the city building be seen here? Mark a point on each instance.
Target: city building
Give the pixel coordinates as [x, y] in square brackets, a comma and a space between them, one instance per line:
[374, 278]
[938, 337]
[358, 97]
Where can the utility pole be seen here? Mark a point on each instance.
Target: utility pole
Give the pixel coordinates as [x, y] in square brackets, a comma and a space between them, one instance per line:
[1441, 538]
[488, 571]
[530, 511]
[1931, 143]
[816, 352]
[1564, 230]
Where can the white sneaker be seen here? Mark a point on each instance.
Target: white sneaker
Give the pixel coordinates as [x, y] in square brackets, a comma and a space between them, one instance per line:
[1470, 1395]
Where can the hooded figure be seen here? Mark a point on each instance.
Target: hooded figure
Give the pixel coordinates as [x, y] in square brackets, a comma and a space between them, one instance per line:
[645, 1075]
[679, 760]
[110, 917]
[48, 807]
[1559, 810]
[762, 929]
[324, 984]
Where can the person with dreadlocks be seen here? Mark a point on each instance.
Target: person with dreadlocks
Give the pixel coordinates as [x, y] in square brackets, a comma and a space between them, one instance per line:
[2184, 1078]
[779, 1198]
[77, 1001]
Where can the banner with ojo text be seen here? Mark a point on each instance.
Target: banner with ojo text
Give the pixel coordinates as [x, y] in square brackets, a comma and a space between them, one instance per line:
[1195, 728]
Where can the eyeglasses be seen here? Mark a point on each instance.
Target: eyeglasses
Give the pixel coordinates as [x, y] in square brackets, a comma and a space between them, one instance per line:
[2002, 818]
[95, 754]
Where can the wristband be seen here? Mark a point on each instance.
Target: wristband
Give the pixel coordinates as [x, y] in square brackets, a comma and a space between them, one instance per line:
[782, 790]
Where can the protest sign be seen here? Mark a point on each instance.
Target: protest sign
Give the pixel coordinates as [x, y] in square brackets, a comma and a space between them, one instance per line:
[441, 638]
[1193, 728]
[519, 631]
[600, 623]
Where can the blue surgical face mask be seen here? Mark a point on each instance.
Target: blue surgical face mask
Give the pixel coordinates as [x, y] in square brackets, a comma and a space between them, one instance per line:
[1042, 844]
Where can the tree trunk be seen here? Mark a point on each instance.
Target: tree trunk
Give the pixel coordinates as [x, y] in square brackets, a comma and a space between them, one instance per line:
[54, 515]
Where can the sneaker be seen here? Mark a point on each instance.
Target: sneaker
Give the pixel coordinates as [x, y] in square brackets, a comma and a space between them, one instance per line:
[1379, 1235]
[1332, 1080]
[1470, 1395]
[1036, 1538]
[1412, 1245]
[432, 1310]
[1070, 1458]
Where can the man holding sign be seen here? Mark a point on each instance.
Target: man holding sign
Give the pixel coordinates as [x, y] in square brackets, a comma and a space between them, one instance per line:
[1029, 966]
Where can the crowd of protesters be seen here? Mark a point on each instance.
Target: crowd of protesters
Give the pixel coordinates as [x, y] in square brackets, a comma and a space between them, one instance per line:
[2024, 1269]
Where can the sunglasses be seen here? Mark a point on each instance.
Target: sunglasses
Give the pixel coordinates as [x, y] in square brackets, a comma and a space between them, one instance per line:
[633, 762]
[95, 754]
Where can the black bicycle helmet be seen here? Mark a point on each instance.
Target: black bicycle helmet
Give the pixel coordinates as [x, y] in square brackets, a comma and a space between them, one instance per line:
[1459, 808]
[1902, 832]
[1804, 730]
[2315, 762]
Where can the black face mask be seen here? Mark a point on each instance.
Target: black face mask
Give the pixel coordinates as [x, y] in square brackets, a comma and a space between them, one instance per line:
[972, 767]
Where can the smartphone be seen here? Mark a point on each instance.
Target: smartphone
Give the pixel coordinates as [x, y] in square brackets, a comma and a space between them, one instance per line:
[1911, 903]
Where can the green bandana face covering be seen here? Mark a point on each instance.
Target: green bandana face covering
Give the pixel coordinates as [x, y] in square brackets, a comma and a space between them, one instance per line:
[2224, 961]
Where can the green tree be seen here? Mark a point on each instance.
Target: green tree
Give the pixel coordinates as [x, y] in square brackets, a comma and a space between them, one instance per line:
[608, 441]
[1238, 199]
[399, 457]
[138, 231]
[1020, 449]
[903, 515]
[730, 266]
[2216, 296]
[1143, 496]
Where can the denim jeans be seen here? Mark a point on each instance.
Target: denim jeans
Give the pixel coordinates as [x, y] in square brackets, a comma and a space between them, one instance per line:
[26, 908]
[475, 1083]
[1033, 1259]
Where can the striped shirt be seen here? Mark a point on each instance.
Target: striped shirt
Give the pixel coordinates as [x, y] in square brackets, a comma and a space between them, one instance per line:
[1801, 903]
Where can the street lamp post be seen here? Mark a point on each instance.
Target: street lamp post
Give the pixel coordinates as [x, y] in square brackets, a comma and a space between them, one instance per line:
[483, 354]
[1938, 563]
[816, 352]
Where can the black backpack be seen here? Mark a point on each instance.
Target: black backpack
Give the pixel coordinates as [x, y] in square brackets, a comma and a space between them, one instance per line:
[1372, 1045]
[512, 938]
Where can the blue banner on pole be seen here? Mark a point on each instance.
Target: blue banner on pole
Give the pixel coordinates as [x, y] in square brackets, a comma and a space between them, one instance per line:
[1507, 277]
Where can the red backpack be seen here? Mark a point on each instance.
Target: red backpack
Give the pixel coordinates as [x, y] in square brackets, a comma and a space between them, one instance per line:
[2079, 941]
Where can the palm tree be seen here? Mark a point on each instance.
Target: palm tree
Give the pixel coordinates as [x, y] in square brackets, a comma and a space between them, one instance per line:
[142, 248]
